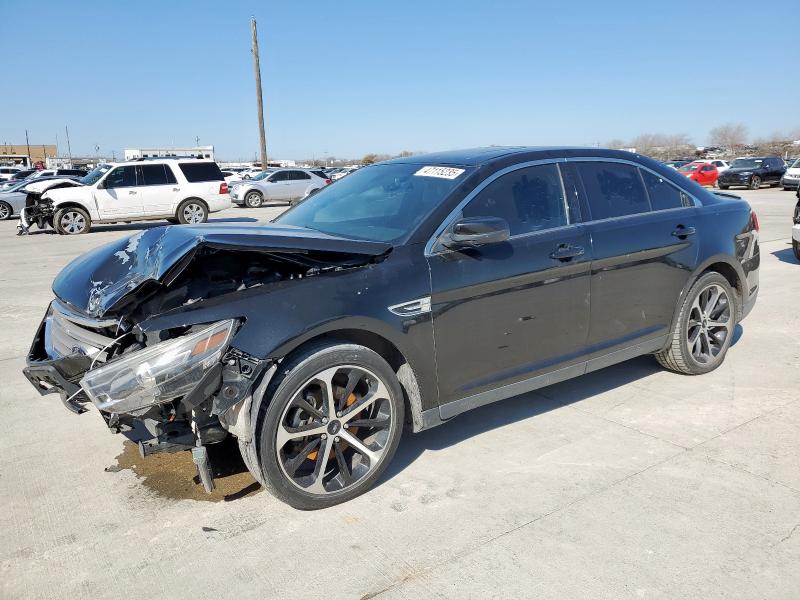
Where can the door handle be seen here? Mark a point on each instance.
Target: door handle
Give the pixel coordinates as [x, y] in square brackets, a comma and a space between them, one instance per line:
[131, 191]
[684, 232]
[565, 252]
[176, 189]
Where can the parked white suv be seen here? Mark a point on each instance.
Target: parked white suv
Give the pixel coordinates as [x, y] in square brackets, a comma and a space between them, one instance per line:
[8, 172]
[282, 185]
[180, 190]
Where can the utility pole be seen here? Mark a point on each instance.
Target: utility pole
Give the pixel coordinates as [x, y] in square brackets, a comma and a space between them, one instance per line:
[27, 143]
[69, 148]
[259, 101]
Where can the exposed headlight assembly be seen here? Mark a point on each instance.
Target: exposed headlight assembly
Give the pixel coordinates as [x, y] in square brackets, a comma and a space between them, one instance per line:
[160, 373]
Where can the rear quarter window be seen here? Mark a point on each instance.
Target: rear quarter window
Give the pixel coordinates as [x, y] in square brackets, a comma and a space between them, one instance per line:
[201, 171]
[613, 189]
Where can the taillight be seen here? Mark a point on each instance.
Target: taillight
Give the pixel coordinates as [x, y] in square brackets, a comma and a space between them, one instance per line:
[754, 220]
[223, 188]
[328, 182]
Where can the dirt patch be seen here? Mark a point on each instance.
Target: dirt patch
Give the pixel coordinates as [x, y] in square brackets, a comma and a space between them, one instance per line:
[174, 475]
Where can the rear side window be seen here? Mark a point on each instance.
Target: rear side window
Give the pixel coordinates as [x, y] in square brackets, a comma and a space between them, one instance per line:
[157, 175]
[663, 195]
[529, 199]
[121, 177]
[201, 171]
[279, 176]
[613, 189]
[297, 175]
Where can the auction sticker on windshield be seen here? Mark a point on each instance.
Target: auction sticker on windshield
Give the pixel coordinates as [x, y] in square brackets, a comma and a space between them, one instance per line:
[441, 172]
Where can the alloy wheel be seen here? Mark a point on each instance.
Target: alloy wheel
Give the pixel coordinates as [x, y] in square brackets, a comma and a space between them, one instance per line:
[72, 222]
[193, 213]
[755, 183]
[253, 200]
[5, 211]
[710, 324]
[334, 430]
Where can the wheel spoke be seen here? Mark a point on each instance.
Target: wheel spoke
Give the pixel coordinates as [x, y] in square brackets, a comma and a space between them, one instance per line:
[370, 423]
[330, 401]
[293, 464]
[380, 392]
[713, 297]
[344, 468]
[285, 434]
[360, 447]
[353, 377]
[321, 466]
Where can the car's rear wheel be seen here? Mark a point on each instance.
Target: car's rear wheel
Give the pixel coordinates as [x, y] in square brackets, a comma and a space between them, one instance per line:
[755, 182]
[72, 221]
[192, 212]
[330, 427]
[5, 211]
[253, 199]
[704, 328]
[796, 248]
[723, 187]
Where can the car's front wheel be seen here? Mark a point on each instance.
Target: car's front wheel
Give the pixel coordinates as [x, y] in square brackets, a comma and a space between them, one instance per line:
[755, 182]
[5, 211]
[253, 199]
[702, 333]
[72, 221]
[796, 248]
[329, 425]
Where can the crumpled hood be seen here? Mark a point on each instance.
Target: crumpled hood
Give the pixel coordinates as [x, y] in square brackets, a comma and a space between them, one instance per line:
[97, 281]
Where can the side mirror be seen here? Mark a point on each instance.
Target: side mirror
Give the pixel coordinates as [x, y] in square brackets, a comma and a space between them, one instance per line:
[476, 231]
[101, 185]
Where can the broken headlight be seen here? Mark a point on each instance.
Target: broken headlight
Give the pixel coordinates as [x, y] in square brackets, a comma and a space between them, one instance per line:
[157, 374]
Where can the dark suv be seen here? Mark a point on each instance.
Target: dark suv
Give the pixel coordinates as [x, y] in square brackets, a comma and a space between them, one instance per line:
[409, 292]
[753, 172]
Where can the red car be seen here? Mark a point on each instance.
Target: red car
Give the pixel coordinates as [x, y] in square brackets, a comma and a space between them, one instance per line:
[702, 173]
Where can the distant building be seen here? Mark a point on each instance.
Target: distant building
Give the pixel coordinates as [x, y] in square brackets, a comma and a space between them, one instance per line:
[76, 162]
[196, 152]
[17, 154]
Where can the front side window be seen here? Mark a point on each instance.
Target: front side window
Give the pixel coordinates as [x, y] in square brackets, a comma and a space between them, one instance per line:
[528, 199]
[614, 189]
[121, 177]
[279, 176]
[663, 195]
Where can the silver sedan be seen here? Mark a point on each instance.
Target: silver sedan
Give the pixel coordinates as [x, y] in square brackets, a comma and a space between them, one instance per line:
[283, 185]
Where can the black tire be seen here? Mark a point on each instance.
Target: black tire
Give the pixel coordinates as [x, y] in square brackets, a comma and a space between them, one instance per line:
[192, 212]
[723, 187]
[293, 377]
[678, 356]
[253, 199]
[796, 248]
[755, 182]
[5, 211]
[172, 220]
[72, 221]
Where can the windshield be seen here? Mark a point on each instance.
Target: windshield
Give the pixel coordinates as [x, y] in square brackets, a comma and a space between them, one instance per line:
[95, 174]
[795, 164]
[382, 203]
[688, 168]
[746, 163]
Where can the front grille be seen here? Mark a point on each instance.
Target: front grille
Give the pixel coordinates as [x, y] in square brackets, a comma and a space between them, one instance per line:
[69, 333]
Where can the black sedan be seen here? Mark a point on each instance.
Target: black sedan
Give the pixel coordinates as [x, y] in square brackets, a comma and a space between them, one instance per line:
[409, 292]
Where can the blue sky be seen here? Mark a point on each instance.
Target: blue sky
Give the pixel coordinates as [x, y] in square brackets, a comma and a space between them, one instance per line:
[351, 77]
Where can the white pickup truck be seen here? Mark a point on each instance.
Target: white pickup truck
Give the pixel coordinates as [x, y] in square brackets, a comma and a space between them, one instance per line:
[179, 190]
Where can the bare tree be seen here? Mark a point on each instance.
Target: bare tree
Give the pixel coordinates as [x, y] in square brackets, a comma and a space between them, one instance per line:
[730, 136]
[616, 144]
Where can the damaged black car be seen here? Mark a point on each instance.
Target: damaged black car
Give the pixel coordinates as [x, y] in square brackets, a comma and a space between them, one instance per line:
[409, 292]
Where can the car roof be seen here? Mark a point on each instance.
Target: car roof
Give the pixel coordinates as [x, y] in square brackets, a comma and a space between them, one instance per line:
[474, 157]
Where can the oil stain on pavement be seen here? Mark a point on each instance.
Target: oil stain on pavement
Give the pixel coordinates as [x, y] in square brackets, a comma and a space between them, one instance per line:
[174, 475]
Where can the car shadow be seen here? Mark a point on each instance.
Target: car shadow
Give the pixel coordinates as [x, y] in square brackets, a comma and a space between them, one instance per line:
[786, 255]
[522, 407]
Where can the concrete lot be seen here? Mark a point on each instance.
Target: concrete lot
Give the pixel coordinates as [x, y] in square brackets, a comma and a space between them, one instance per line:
[631, 482]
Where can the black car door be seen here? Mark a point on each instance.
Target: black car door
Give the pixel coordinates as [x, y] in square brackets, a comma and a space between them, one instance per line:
[506, 312]
[644, 232]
